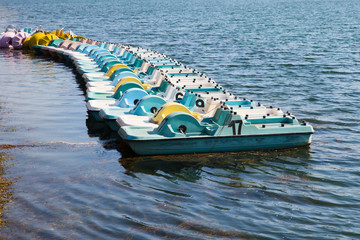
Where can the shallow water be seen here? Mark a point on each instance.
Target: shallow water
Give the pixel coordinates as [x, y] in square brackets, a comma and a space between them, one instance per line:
[64, 177]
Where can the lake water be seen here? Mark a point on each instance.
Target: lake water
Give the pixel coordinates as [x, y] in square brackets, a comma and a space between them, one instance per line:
[62, 176]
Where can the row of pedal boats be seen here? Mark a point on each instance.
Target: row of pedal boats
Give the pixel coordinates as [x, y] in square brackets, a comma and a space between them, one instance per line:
[25, 38]
[159, 106]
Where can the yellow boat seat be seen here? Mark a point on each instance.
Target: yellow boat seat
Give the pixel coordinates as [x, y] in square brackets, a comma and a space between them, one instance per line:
[66, 36]
[171, 107]
[47, 39]
[62, 35]
[26, 42]
[147, 86]
[113, 68]
[77, 37]
[127, 79]
[35, 38]
[57, 33]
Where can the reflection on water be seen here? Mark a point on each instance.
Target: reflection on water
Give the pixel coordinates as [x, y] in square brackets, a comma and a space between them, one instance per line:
[189, 167]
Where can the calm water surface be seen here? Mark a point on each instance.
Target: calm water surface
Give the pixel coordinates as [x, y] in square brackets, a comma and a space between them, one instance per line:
[64, 177]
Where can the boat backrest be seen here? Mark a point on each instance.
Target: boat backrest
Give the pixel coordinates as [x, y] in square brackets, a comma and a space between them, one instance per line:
[120, 75]
[148, 105]
[131, 97]
[125, 87]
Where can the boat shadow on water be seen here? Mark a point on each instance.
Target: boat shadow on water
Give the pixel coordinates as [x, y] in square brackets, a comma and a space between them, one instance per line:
[190, 166]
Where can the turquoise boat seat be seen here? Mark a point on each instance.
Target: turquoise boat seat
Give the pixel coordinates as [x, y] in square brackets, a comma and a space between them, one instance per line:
[121, 70]
[102, 61]
[191, 101]
[104, 66]
[122, 75]
[162, 88]
[102, 44]
[108, 65]
[81, 47]
[131, 97]
[89, 48]
[55, 42]
[115, 76]
[116, 50]
[108, 96]
[150, 70]
[131, 61]
[127, 56]
[138, 63]
[221, 117]
[100, 57]
[180, 123]
[97, 53]
[148, 105]
[124, 87]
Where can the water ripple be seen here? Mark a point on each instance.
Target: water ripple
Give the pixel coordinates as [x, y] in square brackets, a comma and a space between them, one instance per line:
[78, 182]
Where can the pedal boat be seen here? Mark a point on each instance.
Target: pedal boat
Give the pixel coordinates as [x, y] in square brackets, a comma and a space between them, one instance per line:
[180, 132]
